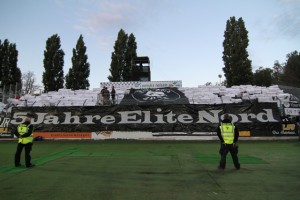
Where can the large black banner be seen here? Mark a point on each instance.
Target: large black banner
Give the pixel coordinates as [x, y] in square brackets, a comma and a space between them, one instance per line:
[259, 118]
[154, 96]
[4, 128]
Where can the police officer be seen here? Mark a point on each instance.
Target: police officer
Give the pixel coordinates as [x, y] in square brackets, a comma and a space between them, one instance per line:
[228, 134]
[25, 134]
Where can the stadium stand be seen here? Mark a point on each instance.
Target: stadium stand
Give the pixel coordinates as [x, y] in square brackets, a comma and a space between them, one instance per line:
[63, 97]
[195, 95]
[235, 94]
[292, 90]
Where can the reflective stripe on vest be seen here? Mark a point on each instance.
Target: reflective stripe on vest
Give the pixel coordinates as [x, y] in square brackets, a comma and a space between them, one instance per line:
[22, 129]
[227, 132]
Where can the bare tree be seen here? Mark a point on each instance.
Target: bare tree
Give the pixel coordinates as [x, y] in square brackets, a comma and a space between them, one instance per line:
[28, 80]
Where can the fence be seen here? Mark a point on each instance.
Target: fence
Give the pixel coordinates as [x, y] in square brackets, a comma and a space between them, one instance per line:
[10, 91]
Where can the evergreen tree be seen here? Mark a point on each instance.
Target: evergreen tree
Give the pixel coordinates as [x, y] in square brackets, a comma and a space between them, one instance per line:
[15, 75]
[291, 70]
[70, 79]
[130, 54]
[1, 58]
[121, 59]
[237, 69]
[53, 76]
[77, 78]
[118, 57]
[10, 73]
[5, 64]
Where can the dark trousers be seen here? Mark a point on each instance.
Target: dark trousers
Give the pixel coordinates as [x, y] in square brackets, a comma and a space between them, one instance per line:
[298, 130]
[233, 149]
[28, 148]
[113, 98]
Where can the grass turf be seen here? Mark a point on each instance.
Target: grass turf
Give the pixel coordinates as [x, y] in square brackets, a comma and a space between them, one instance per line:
[151, 170]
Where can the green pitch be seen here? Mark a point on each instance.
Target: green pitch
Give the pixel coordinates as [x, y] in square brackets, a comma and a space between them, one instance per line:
[151, 170]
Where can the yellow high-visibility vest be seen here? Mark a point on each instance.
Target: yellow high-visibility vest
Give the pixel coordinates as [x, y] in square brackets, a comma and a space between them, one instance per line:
[22, 129]
[227, 132]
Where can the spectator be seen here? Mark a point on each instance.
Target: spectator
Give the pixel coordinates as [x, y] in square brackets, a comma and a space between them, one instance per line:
[102, 91]
[113, 94]
[105, 95]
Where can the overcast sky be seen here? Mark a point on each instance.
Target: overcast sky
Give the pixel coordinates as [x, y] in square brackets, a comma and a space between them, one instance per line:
[182, 38]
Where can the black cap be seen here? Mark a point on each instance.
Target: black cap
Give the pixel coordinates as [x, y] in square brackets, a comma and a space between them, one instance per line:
[30, 115]
[227, 116]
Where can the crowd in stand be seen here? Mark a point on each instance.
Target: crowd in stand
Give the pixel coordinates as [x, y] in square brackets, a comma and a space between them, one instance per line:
[112, 94]
[108, 97]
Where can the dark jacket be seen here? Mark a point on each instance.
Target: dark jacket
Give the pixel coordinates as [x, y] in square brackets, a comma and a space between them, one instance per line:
[236, 131]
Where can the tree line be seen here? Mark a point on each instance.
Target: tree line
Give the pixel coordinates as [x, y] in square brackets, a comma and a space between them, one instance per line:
[53, 77]
[237, 65]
